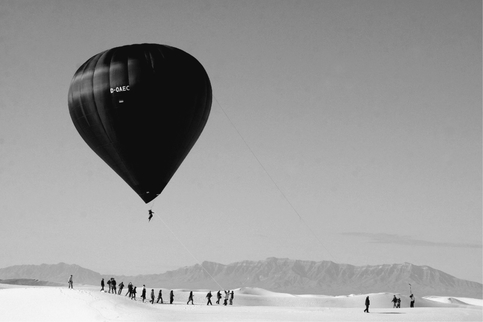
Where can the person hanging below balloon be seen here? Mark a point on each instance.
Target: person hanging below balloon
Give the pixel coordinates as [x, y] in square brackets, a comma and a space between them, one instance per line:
[151, 214]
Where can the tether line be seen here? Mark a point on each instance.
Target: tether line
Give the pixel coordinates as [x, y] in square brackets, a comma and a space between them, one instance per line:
[192, 255]
[273, 181]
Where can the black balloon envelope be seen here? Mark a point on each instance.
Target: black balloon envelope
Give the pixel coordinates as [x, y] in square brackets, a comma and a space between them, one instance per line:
[141, 108]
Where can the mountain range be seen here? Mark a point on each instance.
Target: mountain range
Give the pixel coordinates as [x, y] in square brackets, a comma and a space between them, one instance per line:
[274, 274]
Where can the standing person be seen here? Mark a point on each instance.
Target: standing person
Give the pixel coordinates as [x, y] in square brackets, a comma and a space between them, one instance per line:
[133, 293]
[227, 295]
[143, 293]
[398, 305]
[208, 296]
[190, 298]
[171, 297]
[129, 289]
[232, 296]
[160, 296]
[394, 301]
[218, 297]
[152, 296]
[109, 284]
[367, 304]
[121, 286]
[412, 300]
[113, 285]
[102, 285]
[71, 282]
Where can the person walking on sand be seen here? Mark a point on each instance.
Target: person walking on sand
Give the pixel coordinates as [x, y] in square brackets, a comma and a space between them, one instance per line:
[412, 300]
[398, 305]
[171, 297]
[208, 296]
[102, 285]
[152, 296]
[133, 293]
[160, 296]
[113, 285]
[143, 293]
[121, 286]
[232, 296]
[227, 296]
[218, 297]
[367, 304]
[129, 289]
[394, 301]
[71, 282]
[190, 299]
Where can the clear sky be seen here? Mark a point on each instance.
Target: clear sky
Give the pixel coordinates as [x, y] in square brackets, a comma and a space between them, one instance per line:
[348, 131]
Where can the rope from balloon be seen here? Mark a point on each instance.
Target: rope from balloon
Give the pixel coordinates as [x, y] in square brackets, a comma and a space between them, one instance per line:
[152, 203]
[278, 188]
[192, 255]
[179, 240]
[182, 244]
[273, 181]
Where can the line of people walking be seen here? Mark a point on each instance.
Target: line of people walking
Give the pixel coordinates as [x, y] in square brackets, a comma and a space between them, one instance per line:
[228, 298]
[113, 288]
[132, 291]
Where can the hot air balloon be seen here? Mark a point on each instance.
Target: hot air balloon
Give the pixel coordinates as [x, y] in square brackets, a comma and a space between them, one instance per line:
[141, 108]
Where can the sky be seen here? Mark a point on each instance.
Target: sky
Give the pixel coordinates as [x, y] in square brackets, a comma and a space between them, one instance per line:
[348, 131]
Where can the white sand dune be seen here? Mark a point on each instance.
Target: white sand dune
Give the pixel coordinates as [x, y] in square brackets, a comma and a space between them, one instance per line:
[456, 300]
[23, 303]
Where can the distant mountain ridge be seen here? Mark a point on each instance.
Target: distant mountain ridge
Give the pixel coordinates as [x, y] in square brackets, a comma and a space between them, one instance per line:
[274, 274]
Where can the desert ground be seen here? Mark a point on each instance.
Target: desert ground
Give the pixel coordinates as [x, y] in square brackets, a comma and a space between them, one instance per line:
[87, 303]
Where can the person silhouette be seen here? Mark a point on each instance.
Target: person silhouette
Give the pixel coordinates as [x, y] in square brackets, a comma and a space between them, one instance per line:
[152, 296]
[208, 296]
[190, 298]
[412, 300]
[160, 297]
[218, 297]
[143, 293]
[71, 282]
[133, 293]
[368, 302]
